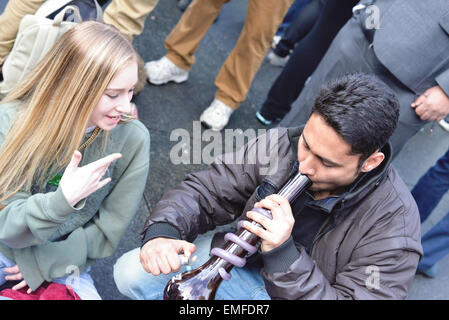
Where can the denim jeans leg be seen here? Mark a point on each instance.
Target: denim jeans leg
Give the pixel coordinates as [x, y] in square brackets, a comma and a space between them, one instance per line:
[82, 284]
[291, 15]
[4, 263]
[435, 243]
[432, 186]
[134, 282]
[245, 284]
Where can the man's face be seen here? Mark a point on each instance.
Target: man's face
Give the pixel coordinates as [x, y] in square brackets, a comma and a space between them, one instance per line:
[325, 157]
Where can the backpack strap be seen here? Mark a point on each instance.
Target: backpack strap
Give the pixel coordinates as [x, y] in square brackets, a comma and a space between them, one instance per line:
[60, 16]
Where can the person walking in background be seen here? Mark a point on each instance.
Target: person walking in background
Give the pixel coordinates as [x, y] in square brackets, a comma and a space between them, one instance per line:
[428, 192]
[307, 54]
[297, 28]
[406, 44]
[290, 16]
[126, 15]
[236, 74]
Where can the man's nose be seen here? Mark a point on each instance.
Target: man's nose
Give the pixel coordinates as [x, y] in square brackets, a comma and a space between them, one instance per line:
[307, 167]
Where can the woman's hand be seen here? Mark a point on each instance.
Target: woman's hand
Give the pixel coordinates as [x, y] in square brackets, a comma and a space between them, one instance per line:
[78, 183]
[16, 275]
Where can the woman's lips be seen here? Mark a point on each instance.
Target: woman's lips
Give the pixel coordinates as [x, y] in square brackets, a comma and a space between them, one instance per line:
[114, 119]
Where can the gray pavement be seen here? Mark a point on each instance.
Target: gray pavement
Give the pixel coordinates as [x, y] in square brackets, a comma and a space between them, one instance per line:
[173, 106]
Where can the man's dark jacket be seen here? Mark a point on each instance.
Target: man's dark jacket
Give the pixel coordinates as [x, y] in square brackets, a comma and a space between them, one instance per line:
[368, 248]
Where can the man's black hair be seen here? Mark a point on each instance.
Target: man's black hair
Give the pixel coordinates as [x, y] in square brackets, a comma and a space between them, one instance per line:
[361, 108]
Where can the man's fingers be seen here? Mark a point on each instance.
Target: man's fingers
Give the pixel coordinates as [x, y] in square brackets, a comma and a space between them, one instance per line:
[150, 266]
[163, 264]
[259, 218]
[271, 205]
[263, 234]
[423, 112]
[174, 262]
[187, 248]
[283, 202]
[420, 100]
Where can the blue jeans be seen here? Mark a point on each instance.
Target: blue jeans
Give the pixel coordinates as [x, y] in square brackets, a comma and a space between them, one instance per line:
[291, 15]
[134, 282]
[428, 192]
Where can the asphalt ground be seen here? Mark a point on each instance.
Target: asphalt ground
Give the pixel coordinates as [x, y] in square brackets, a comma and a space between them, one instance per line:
[166, 110]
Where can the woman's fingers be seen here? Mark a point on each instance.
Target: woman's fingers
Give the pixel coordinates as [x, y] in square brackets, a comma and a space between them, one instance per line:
[103, 163]
[14, 277]
[14, 269]
[21, 285]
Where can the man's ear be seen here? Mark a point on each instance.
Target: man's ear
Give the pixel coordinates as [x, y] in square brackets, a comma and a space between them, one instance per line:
[373, 161]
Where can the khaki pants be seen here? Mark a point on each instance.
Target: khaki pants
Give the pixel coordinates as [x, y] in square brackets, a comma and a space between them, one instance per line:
[235, 76]
[126, 15]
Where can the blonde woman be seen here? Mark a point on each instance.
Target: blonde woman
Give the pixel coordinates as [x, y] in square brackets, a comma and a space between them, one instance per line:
[73, 164]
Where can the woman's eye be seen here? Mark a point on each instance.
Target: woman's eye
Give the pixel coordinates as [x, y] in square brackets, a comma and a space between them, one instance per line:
[112, 96]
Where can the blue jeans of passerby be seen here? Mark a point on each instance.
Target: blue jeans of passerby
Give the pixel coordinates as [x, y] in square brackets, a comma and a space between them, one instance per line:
[429, 190]
[291, 15]
[134, 282]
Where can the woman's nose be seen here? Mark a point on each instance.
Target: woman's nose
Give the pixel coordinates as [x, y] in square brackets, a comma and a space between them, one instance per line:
[124, 106]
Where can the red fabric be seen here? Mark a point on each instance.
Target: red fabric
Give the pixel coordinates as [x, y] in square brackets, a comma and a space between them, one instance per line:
[47, 291]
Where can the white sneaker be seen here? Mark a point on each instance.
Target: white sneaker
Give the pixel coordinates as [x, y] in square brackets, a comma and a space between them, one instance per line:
[443, 123]
[216, 116]
[275, 41]
[276, 60]
[163, 70]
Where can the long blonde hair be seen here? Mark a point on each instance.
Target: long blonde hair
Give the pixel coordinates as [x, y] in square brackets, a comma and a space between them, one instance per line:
[57, 98]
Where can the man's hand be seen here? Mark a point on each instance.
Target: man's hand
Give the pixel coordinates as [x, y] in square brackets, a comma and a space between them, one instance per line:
[277, 230]
[162, 255]
[432, 105]
[78, 183]
[16, 275]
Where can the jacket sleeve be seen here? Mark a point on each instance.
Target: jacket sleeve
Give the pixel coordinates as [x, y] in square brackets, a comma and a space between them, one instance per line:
[443, 81]
[29, 220]
[212, 197]
[379, 268]
[99, 237]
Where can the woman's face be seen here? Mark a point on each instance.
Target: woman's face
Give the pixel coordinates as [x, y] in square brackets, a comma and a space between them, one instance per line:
[116, 99]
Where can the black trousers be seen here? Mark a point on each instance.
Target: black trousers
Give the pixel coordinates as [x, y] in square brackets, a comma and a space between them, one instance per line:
[305, 58]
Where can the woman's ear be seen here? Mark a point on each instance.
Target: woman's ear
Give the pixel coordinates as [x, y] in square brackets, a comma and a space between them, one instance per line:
[373, 161]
